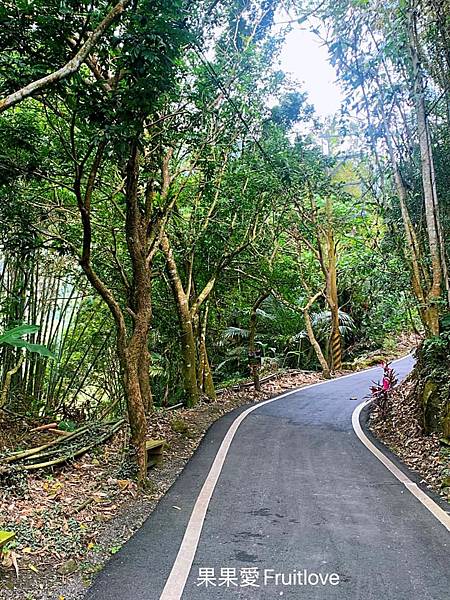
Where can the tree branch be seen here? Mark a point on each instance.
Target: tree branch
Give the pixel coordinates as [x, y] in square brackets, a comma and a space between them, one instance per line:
[70, 67]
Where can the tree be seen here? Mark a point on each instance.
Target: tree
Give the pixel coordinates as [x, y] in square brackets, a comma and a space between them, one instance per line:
[382, 76]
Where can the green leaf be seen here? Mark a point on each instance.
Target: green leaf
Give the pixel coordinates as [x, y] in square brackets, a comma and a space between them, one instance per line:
[67, 426]
[13, 337]
[17, 332]
[36, 348]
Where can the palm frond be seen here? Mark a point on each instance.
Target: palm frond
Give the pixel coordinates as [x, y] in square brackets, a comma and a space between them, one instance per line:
[324, 318]
[298, 336]
[265, 315]
[235, 333]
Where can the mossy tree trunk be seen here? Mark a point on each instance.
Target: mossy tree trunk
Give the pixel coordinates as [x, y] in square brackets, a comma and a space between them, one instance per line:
[185, 318]
[312, 338]
[332, 291]
[143, 232]
[205, 378]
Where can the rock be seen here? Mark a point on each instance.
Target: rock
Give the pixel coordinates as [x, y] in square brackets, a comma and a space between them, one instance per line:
[436, 409]
[68, 567]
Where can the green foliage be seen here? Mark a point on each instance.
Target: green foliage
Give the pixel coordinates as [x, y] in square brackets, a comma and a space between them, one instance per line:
[249, 204]
[67, 426]
[434, 354]
[14, 337]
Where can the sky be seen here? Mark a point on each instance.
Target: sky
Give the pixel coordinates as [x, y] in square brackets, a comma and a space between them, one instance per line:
[306, 59]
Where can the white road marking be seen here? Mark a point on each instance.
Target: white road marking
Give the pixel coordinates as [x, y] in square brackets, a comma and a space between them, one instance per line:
[176, 581]
[440, 514]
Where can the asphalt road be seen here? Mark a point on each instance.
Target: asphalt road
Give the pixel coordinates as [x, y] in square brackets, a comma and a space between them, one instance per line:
[298, 493]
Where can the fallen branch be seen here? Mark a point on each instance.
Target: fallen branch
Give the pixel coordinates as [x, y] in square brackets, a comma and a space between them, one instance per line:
[44, 427]
[14, 456]
[79, 452]
[59, 432]
[175, 406]
[81, 506]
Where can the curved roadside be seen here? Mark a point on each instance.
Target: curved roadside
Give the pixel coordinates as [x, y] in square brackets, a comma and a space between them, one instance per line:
[292, 487]
[410, 479]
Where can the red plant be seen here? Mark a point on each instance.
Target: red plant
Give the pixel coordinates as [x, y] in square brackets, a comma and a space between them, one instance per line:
[380, 392]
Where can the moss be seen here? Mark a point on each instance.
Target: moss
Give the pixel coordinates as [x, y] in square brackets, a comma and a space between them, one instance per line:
[184, 428]
[179, 426]
[368, 361]
[446, 481]
[433, 384]
[428, 389]
[446, 421]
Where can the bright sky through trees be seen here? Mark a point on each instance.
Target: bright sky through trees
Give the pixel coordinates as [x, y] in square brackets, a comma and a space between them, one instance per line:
[306, 58]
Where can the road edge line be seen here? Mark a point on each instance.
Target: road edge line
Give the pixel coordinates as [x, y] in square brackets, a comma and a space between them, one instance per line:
[176, 582]
[439, 513]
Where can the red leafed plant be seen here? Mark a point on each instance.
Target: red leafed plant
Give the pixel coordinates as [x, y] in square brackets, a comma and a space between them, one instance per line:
[380, 392]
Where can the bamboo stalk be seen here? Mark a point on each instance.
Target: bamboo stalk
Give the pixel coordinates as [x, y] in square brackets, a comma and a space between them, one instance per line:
[89, 369]
[57, 450]
[67, 457]
[80, 365]
[25, 453]
[7, 382]
[35, 453]
[57, 369]
[72, 349]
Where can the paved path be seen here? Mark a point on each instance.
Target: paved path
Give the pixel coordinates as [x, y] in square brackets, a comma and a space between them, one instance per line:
[297, 492]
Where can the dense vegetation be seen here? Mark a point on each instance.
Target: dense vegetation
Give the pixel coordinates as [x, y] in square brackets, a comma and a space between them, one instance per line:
[171, 208]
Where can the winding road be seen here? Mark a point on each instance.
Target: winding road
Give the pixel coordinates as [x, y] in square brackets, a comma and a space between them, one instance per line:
[282, 500]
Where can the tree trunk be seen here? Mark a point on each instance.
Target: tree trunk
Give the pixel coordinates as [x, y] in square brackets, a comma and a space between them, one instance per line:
[136, 353]
[135, 408]
[130, 347]
[144, 379]
[254, 367]
[332, 293]
[420, 279]
[189, 366]
[187, 338]
[205, 378]
[315, 344]
[428, 182]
